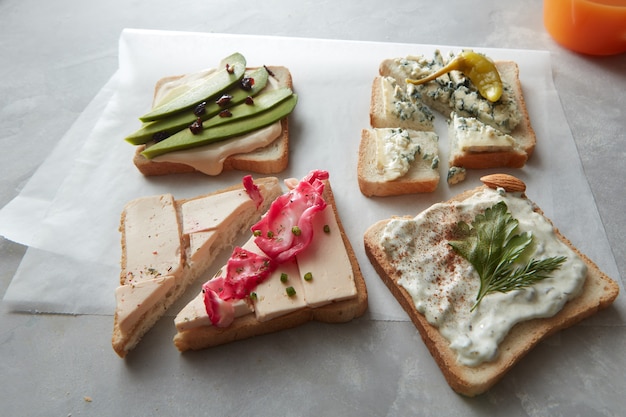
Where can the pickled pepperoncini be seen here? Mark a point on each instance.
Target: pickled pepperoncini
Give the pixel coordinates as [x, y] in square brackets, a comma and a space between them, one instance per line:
[481, 71]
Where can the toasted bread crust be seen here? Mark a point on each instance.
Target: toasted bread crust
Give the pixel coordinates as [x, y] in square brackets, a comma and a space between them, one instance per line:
[377, 118]
[599, 292]
[484, 160]
[249, 326]
[524, 132]
[271, 159]
[124, 342]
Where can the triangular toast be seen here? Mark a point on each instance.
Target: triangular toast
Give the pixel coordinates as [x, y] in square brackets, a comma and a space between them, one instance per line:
[167, 244]
[322, 283]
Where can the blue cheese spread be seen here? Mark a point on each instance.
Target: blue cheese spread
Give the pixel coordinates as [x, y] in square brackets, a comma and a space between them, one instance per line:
[444, 285]
[404, 107]
[397, 150]
[454, 92]
[503, 114]
[468, 134]
[416, 67]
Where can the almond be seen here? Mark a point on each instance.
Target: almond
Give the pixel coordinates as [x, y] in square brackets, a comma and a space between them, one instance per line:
[508, 182]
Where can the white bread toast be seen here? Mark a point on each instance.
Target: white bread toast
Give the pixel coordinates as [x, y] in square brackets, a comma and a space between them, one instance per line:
[246, 326]
[194, 252]
[423, 174]
[598, 292]
[447, 95]
[269, 159]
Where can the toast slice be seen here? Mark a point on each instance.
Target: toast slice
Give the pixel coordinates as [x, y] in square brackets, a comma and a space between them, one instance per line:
[596, 291]
[167, 244]
[422, 175]
[334, 292]
[453, 92]
[271, 156]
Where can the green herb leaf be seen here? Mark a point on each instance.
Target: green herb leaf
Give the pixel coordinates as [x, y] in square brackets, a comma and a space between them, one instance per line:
[492, 247]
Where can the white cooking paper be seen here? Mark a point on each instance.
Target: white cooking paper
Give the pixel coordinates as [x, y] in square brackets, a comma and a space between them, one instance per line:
[71, 227]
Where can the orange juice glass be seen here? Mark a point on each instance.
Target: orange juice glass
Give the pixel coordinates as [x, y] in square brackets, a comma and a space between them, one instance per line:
[595, 27]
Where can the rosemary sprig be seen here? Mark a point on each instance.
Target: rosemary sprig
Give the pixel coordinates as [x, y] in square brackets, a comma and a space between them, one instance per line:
[492, 247]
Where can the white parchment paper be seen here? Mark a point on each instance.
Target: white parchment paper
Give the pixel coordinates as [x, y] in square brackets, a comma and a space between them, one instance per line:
[68, 214]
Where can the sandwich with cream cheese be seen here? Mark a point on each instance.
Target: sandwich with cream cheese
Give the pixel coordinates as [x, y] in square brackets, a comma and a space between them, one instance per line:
[242, 125]
[167, 244]
[297, 266]
[485, 277]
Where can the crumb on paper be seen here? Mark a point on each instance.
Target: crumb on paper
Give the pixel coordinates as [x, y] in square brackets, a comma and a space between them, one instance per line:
[87, 398]
[456, 175]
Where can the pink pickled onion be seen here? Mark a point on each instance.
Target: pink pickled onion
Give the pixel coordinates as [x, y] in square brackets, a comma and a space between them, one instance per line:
[244, 271]
[220, 312]
[287, 229]
[253, 190]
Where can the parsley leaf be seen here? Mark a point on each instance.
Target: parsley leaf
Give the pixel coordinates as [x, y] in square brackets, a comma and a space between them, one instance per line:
[492, 247]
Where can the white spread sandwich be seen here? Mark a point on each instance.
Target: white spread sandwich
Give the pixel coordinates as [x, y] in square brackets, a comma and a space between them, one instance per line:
[485, 277]
[230, 117]
[297, 266]
[167, 244]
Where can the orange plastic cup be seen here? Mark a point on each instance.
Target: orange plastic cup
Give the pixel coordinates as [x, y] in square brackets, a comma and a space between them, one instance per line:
[594, 27]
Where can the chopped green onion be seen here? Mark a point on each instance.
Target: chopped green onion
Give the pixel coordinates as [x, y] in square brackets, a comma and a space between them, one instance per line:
[296, 230]
[257, 233]
[253, 296]
[308, 276]
[326, 228]
[283, 277]
[290, 291]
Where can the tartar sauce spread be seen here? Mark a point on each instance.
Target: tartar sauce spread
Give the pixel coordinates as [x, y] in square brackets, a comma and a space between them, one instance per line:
[443, 285]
